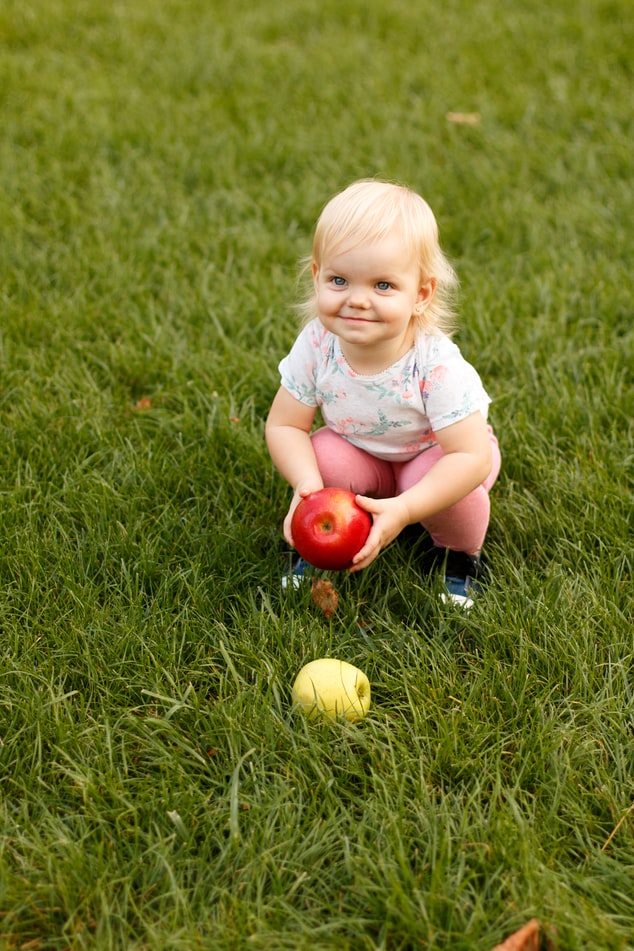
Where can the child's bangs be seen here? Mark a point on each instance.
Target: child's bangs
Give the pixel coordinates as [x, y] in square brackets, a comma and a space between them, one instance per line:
[369, 211]
[348, 229]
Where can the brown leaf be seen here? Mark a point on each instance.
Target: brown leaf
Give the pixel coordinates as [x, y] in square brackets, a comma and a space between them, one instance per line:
[144, 403]
[324, 596]
[463, 118]
[526, 939]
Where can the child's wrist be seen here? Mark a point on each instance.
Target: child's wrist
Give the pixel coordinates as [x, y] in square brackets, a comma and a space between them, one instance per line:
[307, 486]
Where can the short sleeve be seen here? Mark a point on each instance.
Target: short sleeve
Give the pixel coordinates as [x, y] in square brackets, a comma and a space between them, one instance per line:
[451, 388]
[298, 369]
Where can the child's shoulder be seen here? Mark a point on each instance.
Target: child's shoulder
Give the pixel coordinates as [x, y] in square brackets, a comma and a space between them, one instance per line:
[316, 333]
[433, 346]
[314, 337]
[316, 330]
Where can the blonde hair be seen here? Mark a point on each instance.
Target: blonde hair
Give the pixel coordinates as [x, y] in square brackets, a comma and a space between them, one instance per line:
[368, 210]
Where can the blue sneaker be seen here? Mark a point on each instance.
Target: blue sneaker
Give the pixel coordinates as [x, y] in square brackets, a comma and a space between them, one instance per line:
[300, 571]
[462, 579]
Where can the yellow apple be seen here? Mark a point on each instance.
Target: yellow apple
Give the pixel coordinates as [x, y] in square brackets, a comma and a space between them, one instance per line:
[334, 688]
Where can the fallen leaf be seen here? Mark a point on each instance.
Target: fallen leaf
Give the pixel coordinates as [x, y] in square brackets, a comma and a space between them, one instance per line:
[526, 939]
[144, 403]
[464, 118]
[234, 419]
[324, 596]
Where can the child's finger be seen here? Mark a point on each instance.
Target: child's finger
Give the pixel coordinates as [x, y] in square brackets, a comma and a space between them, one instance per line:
[373, 506]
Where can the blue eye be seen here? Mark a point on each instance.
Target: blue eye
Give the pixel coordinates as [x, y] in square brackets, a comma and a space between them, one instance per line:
[339, 281]
[383, 285]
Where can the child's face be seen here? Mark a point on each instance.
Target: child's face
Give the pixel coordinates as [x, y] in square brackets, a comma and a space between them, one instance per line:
[366, 296]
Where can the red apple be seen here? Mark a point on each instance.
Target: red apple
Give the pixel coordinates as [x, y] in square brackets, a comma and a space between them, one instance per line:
[329, 528]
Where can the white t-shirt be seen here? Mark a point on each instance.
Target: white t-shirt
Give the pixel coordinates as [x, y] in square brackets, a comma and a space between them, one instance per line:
[393, 414]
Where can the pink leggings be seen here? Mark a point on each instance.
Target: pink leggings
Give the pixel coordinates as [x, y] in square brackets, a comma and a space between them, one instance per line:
[461, 527]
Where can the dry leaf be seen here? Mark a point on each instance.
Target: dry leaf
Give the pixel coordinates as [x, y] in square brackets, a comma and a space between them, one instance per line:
[324, 596]
[464, 118]
[144, 403]
[526, 939]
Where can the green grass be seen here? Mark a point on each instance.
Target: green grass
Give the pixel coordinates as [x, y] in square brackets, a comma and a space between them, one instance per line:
[161, 169]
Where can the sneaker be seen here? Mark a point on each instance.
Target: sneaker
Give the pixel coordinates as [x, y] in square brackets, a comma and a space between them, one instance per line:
[300, 571]
[462, 579]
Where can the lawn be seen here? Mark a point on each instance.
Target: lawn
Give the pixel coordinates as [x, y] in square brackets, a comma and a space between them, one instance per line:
[162, 165]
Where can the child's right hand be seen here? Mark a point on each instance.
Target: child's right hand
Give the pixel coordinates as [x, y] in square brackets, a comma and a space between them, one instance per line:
[300, 493]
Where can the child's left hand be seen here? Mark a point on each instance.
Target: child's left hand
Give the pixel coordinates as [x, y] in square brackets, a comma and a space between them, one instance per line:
[389, 518]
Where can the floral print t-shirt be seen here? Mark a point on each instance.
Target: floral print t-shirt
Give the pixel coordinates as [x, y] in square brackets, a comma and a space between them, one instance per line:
[393, 414]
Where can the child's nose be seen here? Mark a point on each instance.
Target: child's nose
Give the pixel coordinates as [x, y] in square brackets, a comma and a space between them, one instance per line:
[358, 298]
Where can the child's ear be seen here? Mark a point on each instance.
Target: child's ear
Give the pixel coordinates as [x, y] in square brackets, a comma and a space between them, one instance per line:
[426, 291]
[314, 268]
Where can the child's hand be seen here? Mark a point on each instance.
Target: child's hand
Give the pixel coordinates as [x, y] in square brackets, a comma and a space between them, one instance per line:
[389, 518]
[300, 493]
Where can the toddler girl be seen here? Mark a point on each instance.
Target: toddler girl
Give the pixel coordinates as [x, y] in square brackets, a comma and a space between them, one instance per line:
[405, 415]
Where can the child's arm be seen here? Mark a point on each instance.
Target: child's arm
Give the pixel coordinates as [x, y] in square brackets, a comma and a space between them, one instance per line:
[288, 438]
[465, 465]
